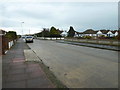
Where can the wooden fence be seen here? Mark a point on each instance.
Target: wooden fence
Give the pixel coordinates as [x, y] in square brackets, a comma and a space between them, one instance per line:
[5, 44]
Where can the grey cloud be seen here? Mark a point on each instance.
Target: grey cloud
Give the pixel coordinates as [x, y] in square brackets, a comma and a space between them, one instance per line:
[62, 15]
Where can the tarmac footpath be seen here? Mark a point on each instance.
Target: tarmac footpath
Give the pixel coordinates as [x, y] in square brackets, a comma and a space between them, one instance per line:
[16, 73]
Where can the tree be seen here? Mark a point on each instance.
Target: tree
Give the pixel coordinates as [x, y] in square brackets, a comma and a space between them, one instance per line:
[45, 32]
[71, 32]
[54, 32]
[11, 35]
[39, 34]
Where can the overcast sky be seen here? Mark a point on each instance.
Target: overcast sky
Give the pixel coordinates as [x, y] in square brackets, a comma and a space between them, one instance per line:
[62, 15]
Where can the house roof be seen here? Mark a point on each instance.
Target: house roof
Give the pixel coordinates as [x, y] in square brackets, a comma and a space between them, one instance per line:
[104, 31]
[61, 31]
[90, 31]
[79, 32]
[2, 31]
[114, 31]
[95, 32]
[118, 33]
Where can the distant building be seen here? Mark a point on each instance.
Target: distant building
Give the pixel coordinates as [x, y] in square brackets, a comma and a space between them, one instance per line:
[90, 32]
[102, 32]
[64, 34]
[78, 34]
[98, 33]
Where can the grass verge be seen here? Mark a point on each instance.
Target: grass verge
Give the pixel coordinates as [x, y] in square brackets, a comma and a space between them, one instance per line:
[94, 43]
[90, 46]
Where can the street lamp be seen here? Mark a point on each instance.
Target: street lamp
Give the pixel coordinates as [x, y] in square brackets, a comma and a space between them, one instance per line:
[29, 31]
[22, 27]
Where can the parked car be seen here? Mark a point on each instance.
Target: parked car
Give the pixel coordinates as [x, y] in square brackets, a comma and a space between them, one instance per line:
[29, 39]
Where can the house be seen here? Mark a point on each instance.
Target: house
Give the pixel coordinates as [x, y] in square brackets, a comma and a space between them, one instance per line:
[90, 32]
[2, 32]
[64, 34]
[110, 34]
[115, 32]
[107, 33]
[97, 33]
[3, 44]
[103, 32]
[78, 34]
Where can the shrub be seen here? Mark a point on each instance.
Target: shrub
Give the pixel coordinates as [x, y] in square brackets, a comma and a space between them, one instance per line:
[117, 37]
[79, 37]
[87, 37]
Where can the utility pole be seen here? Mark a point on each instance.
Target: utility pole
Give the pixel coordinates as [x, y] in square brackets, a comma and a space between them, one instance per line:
[29, 31]
[22, 27]
[43, 33]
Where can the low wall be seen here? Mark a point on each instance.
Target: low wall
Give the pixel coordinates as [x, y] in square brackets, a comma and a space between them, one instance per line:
[97, 41]
[10, 44]
[49, 38]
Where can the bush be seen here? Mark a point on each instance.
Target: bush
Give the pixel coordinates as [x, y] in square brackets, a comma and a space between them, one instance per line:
[79, 37]
[102, 37]
[87, 37]
[117, 37]
[12, 35]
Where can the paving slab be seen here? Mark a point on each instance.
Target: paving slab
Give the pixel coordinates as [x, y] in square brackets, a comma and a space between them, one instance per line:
[21, 84]
[30, 56]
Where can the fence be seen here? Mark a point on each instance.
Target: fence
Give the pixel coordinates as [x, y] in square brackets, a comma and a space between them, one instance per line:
[0, 44]
[5, 44]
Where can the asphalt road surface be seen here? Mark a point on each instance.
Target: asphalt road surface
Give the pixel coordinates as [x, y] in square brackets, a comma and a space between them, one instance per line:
[79, 66]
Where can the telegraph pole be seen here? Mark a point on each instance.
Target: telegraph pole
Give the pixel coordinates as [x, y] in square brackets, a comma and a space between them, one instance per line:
[22, 27]
[29, 31]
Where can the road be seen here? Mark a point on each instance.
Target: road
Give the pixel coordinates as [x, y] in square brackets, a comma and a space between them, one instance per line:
[79, 66]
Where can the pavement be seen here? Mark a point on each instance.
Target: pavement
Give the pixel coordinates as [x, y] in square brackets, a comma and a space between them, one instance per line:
[79, 66]
[20, 74]
[31, 56]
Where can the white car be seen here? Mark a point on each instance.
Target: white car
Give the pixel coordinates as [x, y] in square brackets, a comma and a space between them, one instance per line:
[29, 39]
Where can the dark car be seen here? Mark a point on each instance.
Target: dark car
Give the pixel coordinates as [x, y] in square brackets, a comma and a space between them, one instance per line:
[29, 39]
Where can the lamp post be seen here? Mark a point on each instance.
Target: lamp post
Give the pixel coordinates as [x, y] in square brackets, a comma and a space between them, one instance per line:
[29, 31]
[22, 27]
